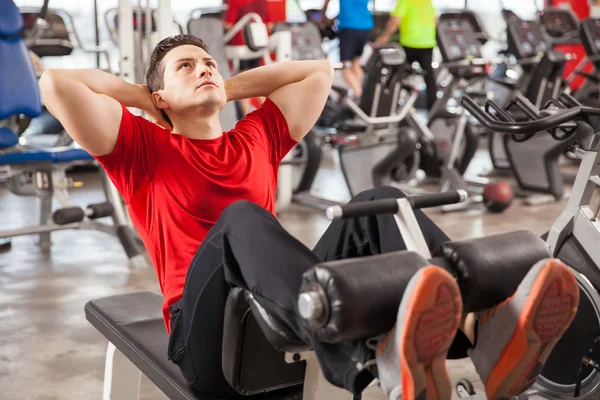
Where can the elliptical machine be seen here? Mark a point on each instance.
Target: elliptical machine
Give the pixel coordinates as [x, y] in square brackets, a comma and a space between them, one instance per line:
[448, 141]
[534, 162]
[572, 368]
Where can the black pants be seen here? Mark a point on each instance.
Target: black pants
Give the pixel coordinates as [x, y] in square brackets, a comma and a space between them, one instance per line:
[248, 248]
[424, 57]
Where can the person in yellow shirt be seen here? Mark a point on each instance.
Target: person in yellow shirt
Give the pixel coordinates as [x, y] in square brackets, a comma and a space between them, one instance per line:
[417, 21]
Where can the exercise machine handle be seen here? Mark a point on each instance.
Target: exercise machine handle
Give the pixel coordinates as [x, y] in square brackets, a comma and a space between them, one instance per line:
[390, 206]
[558, 118]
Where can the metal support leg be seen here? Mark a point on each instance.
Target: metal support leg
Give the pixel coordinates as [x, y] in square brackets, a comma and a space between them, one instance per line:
[44, 186]
[126, 235]
[122, 378]
[316, 387]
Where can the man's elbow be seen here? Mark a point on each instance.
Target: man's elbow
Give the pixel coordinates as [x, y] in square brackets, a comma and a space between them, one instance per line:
[327, 67]
[325, 72]
[49, 83]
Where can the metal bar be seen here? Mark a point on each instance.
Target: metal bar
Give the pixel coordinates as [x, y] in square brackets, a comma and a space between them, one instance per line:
[382, 120]
[139, 49]
[97, 33]
[149, 44]
[127, 56]
[410, 229]
[37, 229]
[250, 17]
[122, 378]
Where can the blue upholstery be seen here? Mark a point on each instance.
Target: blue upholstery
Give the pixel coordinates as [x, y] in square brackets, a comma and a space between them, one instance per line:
[19, 92]
[7, 138]
[11, 22]
[47, 156]
[72, 155]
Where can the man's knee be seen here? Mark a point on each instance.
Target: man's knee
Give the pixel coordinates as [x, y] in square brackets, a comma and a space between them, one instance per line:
[243, 211]
[382, 192]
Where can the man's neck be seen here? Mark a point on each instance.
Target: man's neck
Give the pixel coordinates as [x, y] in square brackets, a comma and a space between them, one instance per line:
[198, 126]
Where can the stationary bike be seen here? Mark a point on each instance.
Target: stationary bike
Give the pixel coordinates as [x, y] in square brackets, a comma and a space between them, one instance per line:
[572, 367]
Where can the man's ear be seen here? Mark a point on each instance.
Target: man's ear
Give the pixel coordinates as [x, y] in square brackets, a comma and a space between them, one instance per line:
[159, 101]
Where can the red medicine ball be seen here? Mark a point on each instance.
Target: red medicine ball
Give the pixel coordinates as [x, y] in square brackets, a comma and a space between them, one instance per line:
[497, 197]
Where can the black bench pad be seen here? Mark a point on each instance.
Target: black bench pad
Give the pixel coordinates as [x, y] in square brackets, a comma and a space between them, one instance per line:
[134, 324]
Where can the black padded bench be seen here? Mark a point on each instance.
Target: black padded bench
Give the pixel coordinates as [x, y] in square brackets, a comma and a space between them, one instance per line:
[134, 327]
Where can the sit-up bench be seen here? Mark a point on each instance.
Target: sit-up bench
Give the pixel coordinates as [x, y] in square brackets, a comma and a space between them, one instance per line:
[138, 341]
[259, 355]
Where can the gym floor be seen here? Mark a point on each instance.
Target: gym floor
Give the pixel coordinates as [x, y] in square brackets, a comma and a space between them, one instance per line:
[48, 351]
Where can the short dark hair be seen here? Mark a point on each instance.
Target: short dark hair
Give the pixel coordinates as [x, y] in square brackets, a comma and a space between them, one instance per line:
[156, 71]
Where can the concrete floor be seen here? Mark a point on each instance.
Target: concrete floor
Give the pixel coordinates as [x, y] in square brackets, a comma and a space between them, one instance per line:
[49, 351]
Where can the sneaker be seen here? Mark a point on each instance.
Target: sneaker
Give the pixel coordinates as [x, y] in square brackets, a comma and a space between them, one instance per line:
[411, 359]
[515, 338]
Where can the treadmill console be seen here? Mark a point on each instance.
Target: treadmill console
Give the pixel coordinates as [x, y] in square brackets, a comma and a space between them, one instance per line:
[525, 38]
[590, 36]
[559, 22]
[457, 40]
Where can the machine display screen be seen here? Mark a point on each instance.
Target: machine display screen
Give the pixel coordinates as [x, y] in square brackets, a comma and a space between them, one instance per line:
[529, 35]
[458, 40]
[558, 21]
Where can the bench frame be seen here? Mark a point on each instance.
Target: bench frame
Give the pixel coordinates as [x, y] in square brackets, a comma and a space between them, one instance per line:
[122, 378]
[48, 181]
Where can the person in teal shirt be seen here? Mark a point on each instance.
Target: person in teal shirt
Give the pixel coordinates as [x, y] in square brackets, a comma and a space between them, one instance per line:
[417, 21]
[355, 23]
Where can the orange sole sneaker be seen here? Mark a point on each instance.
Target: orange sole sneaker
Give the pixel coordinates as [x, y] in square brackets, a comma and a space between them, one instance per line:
[429, 316]
[541, 310]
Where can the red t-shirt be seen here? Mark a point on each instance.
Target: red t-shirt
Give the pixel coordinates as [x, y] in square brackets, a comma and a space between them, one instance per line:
[236, 9]
[175, 188]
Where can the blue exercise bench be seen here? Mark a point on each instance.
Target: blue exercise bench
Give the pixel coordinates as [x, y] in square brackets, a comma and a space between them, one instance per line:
[41, 172]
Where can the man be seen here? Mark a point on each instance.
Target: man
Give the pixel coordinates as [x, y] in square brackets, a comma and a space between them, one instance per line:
[236, 9]
[355, 24]
[417, 21]
[203, 202]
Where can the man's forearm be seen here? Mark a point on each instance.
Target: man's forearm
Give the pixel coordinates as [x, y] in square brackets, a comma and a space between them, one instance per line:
[261, 82]
[98, 81]
[391, 26]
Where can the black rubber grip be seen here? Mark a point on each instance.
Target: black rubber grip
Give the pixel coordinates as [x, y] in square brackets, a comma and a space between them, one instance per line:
[434, 199]
[68, 215]
[390, 206]
[100, 210]
[367, 208]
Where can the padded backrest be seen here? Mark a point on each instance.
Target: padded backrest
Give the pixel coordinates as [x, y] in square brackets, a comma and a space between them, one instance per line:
[546, 78]
[381, 86]
[19, 93]
[210, 30]
[11, 22]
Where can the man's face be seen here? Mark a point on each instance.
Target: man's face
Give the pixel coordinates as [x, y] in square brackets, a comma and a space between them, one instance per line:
[192, 81]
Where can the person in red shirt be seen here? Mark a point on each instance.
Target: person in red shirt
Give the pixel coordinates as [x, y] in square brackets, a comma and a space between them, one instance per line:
[203, 201]
[236, 9]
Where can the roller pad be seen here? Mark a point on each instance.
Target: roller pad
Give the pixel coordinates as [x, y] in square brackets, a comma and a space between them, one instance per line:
[489, 269]
[68, 215]
[362, 295]
[101, 210]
